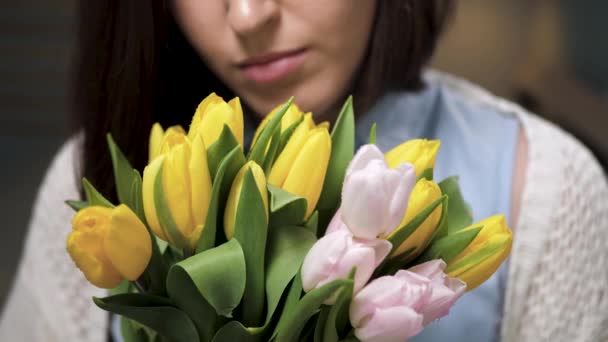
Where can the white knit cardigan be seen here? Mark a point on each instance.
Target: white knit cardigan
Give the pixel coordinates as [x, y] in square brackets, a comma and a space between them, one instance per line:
[557, 287]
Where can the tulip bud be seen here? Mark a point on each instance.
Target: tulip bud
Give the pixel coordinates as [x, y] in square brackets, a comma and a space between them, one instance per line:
[235, 195]
[156, 138]
[336, 254]
[395, 308]
[425, 192]
[186, 190]
[482, 257]
[301, 167]
[109, 245]
[420, 152]
[212, 114]
[292, 116]
[374, 197]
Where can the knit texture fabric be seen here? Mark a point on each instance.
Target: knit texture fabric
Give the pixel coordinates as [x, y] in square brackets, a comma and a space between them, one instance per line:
[557, 284]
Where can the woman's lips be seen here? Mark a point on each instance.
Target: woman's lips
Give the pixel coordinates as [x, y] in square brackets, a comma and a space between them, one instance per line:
[272, 67]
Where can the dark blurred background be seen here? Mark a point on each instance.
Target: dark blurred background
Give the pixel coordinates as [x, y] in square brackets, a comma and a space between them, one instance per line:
[551, 56]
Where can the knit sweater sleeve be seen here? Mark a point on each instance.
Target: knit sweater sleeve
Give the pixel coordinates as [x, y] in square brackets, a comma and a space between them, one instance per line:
[558, 281]
[50, 300]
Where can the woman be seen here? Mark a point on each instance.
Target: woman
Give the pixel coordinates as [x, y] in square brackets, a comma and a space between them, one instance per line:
[139, 63]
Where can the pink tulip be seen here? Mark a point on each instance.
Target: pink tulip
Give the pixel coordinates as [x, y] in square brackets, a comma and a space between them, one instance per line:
[335, 255]
[395, 308]
[374, 196]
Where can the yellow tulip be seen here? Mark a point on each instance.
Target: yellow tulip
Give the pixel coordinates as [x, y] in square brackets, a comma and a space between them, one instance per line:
[212, 114]
[109, 245]
[419, 152]
[186, 185]
[157, 138]
[482, 257]
[301, 167]
[292, 116]
[425, 192]
[235, 194]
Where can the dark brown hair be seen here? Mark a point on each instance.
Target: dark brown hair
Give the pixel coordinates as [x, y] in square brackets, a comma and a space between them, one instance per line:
[133, 67]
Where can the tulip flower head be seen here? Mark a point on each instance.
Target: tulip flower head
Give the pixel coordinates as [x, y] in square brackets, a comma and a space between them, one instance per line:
[375, 197]
[336, 254]
[186, 190]
[395, 308]
[234, 196]
[212, 114]
[484, 255]
[425, 192]
[419, 152]
[109, 245]
[293, 115]
[301, 167]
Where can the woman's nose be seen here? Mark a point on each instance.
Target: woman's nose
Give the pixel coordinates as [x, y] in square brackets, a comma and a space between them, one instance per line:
[250, 16]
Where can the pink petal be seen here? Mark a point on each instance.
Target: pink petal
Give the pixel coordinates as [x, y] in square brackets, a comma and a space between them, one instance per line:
[364, 155]
[443, 298]
[382, 292]
[336, 223]
[401, 189]
[430, 269]
[322, 259]
[394, 324]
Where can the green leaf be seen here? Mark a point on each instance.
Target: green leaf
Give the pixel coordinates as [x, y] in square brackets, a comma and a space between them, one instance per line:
[204, 287]
[322, 324]
[442, 226]
[123, 172]
[221, 286]
[427, 173]
[343, 150]
[372, 135]
[449, 247]
[272, 152]
[306, 308]
[130, 332]
[234, 331]
[460, 214]
[251, 230]
[164, 214]
[137, 197]
[287, 248]
[154, 312]
[286, 209]
[404, 232]
[93, 196]
[220, 149]
[77, 205]
[226, 172]
[258, 150]
[313, 222]
[338, 317]
[286, 134]
[293, 297]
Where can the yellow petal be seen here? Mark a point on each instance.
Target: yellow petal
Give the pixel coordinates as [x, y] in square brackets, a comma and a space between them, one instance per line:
[174, 136]
[212, 123]
[419, 152]
[200, 112]
[150, 174]
[492, 226]
[292, 116]
[156, 139]
[476, 273]
[177, 188]
[237, 112]
[281, 167]
[127, 243]
[201, 187]
[85, 246]
[425, 192]
[307, 174]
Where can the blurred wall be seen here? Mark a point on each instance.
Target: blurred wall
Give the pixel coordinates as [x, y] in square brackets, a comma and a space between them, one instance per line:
[35, 36]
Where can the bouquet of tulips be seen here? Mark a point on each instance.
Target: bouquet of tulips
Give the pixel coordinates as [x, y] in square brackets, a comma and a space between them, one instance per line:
[297, 238]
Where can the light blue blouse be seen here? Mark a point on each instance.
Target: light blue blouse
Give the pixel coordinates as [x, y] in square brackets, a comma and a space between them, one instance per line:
[477, 144]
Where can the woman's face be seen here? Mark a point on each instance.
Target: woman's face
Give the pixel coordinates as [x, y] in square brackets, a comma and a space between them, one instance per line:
[269, 50]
